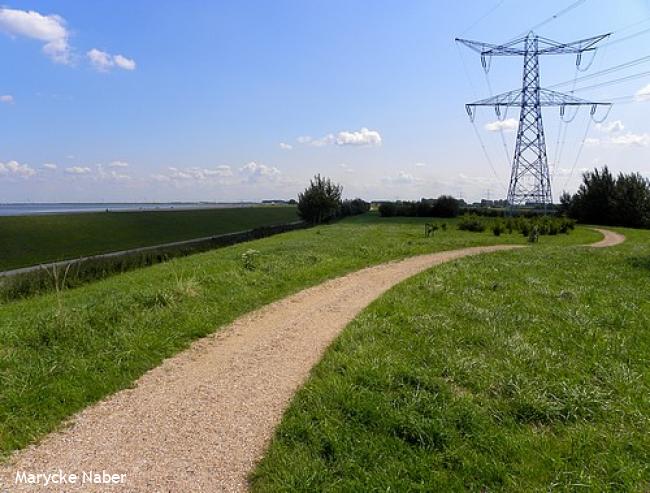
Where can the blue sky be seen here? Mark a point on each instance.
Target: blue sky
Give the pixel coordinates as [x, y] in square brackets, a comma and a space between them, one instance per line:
[195, 100]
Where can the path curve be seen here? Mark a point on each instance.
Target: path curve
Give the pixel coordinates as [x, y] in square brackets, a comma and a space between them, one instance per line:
[200, 420]
[610, 238]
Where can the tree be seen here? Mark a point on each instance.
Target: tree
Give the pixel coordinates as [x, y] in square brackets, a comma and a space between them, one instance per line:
[566, 201]
[594, 201]
[632, 200]
[320, 201]
[446, 206]
[601, 199]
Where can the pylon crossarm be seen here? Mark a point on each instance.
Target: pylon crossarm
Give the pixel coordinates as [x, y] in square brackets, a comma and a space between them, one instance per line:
[555, 48]
[546, 98]
[488, 49]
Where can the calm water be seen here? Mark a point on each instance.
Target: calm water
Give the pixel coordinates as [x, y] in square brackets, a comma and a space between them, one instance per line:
[33, 209]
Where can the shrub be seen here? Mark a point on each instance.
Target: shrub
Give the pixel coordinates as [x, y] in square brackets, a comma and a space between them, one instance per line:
[471, 223]
[498, 228]
[320, 201]
[388, 209]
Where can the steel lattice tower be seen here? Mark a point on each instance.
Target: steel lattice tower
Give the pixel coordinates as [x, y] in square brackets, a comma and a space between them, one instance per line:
[530, 182]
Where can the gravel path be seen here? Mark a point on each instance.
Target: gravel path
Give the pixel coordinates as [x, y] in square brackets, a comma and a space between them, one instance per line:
[610, 239]
[199, 421]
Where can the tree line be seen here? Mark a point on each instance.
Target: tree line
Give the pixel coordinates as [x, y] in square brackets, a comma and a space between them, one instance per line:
[623, 200]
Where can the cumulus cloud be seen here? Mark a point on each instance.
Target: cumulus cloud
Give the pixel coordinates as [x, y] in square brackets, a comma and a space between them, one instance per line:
[643, 94]
[78, 170]
[193, 174]
[285, 146]
[420, 165]
[50, 166]
[118, 164]
[255, 172]
[346, 168]
[6, 98]
[507, 125]
[16, 169]
[124, 62]
[590, 141]
[103, 61]
[611, 127]
[362, 137]
[50, 29]
[111, 174]
[402, 178]
[631, 139]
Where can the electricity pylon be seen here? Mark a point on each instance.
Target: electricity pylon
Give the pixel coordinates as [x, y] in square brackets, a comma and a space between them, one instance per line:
[530, 183]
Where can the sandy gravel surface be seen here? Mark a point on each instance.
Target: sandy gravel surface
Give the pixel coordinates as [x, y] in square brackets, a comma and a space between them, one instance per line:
[200, 421]
[610, 239]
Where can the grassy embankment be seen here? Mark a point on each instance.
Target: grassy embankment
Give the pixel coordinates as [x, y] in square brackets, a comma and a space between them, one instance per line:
[31, 240]
[60, 352]
[519, 371]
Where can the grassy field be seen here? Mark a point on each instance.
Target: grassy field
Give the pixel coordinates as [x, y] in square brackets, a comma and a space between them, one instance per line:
[520, 371]
[30, 240]
[60, 352]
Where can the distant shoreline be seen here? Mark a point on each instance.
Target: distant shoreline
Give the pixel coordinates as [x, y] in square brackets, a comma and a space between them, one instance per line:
[37, 209]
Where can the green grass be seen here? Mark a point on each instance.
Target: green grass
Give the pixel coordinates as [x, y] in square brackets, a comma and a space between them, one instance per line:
[518, 371]
[61, 352]
[31, 240]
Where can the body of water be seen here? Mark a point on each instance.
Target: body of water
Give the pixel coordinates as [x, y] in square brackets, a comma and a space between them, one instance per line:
[34, 209]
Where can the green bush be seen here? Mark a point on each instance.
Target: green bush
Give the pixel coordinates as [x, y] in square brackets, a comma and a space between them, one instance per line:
[471, 223]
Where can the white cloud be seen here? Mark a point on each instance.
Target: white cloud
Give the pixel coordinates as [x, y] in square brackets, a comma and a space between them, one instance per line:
[611, 127]
[570, 172]
[590, 141]
[631, 139]
[193, 174]
[111, 174]
[14, 168]
[118, 164]
[254, 172]
[78, 170]
[50, 166]
[160, 177]
[643, 94]
[124, 63]
[362, 137]
[420, 165]
[50, 29]
[346, 168]
[285, 146]
[402, 178]
[508, 125]
[6, 98]
[103, 61]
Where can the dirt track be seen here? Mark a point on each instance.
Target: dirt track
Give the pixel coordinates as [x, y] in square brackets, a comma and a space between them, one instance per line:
[201, 420]
[610, 239]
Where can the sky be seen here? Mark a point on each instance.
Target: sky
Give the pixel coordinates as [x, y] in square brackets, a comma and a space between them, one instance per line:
[141, 101]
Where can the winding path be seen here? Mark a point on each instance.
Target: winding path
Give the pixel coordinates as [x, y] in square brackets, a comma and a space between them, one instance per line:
[201, 420]
[610, 238]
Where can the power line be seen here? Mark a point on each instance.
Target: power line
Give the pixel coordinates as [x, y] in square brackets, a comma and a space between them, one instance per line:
[582, 146]
[612, 82]
[615, 68]
[626, 38]
[550, 19]
[483, 17]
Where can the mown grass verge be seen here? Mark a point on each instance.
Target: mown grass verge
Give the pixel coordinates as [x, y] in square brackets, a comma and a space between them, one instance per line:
[519, 371]
[33, 240]
[60, 352]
